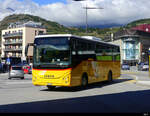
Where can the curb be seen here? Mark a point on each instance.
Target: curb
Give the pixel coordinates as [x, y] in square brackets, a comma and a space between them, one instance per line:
[137, 81]
[143, 83]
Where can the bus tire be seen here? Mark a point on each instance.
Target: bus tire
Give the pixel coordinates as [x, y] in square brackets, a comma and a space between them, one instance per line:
[84, 81]
[51, 87]
[110, 77]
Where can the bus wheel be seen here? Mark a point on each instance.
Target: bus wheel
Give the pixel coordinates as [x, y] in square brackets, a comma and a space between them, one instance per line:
[84, 81]
[110, 76]
[50, 87]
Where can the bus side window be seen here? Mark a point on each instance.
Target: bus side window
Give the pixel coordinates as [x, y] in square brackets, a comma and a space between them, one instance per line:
[116, 54]
[78, 45]
[103, 50]
[98, 48]
[73, 44]
[83, 46]
[90, 47]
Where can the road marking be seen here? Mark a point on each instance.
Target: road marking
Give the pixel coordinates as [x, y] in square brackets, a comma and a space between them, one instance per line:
[28, 82]
[132, 81]
[130, 73]
[134, 77]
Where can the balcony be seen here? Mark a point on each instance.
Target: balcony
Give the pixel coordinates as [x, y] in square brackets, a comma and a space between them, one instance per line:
[12, 42]
[12, 49]
[19, 34]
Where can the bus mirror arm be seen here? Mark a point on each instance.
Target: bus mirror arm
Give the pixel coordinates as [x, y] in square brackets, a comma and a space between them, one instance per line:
[27, 47]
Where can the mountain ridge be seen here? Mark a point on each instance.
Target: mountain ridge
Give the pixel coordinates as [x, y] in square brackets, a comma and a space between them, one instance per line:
[56, 28]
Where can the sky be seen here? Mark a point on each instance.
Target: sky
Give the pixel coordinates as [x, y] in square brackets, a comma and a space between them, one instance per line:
[44, 2]
[72, 13]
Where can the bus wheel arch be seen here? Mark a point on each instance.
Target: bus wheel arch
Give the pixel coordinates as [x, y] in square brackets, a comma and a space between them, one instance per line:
[84, 79]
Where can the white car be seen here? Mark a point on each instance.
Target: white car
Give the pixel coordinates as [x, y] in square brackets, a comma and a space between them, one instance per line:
[145, 67]
[16, 72]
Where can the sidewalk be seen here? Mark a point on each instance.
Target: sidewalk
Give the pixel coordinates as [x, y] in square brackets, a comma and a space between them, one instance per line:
[141, 77]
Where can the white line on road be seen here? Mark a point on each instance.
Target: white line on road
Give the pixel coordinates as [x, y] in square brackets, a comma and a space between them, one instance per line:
[138, 81]
[133, 76]
[19, 82]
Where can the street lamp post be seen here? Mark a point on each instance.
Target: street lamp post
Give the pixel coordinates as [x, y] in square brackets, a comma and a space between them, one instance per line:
[86, 8]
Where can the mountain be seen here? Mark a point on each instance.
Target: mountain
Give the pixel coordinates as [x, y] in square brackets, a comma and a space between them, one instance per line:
[52, 27]
[55, 28]
[10, 9]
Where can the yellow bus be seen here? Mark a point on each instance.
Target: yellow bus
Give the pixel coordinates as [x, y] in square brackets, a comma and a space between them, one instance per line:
[69, 60]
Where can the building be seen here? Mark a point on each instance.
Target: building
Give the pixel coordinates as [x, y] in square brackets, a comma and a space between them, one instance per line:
[142, 27]
[16, 37]
[134, 44]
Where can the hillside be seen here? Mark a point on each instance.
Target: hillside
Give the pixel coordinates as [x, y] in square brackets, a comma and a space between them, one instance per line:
[53, 27]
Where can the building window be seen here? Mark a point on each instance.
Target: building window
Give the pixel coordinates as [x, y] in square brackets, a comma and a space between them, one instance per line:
[35, 32]
[40, 32]
[130, 50]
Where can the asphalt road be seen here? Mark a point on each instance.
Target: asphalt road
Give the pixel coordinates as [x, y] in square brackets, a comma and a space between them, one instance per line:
[120, 96]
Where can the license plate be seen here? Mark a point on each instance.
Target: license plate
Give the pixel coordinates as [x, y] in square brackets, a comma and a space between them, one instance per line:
[49, 84]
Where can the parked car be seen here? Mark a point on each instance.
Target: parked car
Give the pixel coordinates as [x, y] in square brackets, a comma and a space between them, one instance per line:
[143, 66]
[16, 71]
[125, 66]
[140, 65]
[26, 69]
[30, 70]
[1, 67]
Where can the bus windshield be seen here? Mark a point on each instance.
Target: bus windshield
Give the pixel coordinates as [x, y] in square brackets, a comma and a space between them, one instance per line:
[53, 52]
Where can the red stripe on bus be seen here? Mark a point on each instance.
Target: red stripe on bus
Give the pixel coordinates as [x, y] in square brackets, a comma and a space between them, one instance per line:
[52, 69]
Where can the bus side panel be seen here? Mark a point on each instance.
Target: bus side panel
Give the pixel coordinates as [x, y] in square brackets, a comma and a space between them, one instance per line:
[97, 71]
[77, 72]
[87, 67]
[100, 72]
[116, 69]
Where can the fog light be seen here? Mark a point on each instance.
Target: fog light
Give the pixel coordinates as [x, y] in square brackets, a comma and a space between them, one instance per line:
[66, 81]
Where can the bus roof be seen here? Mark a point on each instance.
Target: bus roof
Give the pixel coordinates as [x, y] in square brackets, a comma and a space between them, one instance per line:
[90, 38]
[56, 35]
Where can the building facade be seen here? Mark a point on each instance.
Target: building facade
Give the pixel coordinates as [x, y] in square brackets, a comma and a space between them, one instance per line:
[134, 45]
[16, 37]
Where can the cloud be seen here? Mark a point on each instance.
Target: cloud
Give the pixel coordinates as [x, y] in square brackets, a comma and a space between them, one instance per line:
[73, 14]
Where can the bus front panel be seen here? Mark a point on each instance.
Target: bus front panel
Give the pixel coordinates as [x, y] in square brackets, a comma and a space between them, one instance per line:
[56, 77]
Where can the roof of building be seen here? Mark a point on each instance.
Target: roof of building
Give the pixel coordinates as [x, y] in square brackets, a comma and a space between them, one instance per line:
[26, 24]
[143, 27]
